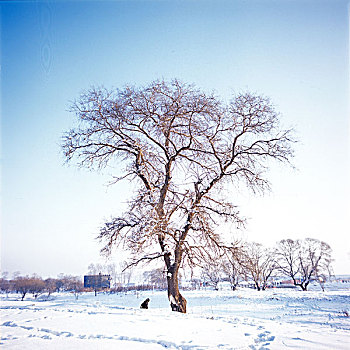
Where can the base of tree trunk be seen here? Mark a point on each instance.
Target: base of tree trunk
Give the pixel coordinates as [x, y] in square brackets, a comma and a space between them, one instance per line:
[177, 301]
[179, 305]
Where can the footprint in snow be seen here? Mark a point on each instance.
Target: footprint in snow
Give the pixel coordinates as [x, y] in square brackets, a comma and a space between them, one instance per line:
[265, 337]
[57, 334]
[46, 337]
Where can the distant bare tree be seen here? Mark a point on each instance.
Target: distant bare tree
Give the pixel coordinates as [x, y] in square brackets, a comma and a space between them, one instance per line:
[24, 285]
[231, 267]
[5, 285]
[258, 262]
[303, 260]
[15, 275]
[73, 284]
[287, 257]
[180, 146]
[156, 278]
[60, 282]
[126, 273]
[212, 271]
[322, 279]
[315, 258]
[50, 285]
[114, 272]
[37, 286]
[95, 269]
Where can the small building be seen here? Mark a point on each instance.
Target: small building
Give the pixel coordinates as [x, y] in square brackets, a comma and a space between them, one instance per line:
[97, 281]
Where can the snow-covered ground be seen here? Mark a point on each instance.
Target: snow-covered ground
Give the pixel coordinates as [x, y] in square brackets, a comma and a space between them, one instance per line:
[243, 319]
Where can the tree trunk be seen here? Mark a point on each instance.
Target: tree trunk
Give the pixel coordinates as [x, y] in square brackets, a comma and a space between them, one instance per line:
[304, 287]
[177, 301]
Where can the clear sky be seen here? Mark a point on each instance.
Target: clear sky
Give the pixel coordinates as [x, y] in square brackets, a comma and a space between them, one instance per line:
[296, 52]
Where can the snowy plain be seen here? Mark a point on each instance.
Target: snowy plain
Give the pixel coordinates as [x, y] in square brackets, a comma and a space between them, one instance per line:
[241, 319]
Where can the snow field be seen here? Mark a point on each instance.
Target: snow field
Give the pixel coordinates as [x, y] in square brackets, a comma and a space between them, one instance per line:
[243, 319]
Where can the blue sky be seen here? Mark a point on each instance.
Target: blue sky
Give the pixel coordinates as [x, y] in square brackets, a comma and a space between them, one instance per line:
[296, 52]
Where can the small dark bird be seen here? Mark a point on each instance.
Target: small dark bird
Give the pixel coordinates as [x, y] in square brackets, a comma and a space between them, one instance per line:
[144, 305]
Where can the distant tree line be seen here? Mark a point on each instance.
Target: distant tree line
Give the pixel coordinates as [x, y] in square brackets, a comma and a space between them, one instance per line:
[36, 286]
[301, 261]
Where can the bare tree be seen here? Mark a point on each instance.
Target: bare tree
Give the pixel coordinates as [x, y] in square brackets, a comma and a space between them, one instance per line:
[156, 278]
[231, 267]
[286, 254]
[72, 284]
[127, 273]
[4, 275]
[258, 262]
[303, 260]
[15, 275]
[212, 271]
[60, 282]
[95, 269]
[315, 258]
[37, 286]
[50, 285]
[24, 285]
[5, 285]
[113, 271]
[180, 146]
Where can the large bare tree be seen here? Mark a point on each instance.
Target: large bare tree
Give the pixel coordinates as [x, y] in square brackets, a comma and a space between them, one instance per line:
[258, 263]
[179, 146]
[303, 260]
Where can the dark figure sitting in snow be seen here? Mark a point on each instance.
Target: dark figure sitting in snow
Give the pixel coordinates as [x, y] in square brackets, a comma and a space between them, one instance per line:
[144, 305]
